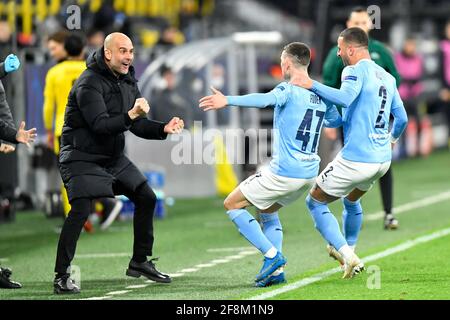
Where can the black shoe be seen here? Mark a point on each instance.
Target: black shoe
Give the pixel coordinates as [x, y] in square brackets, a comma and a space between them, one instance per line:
[148, 270]
[390, 222]
[65, 285]
[6, 282]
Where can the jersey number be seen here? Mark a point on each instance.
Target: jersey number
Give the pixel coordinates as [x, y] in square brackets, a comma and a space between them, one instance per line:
[304, 131]
[381, 93]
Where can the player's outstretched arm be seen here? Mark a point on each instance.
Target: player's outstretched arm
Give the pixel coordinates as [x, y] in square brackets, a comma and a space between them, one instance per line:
[254, 100]
[213, 102]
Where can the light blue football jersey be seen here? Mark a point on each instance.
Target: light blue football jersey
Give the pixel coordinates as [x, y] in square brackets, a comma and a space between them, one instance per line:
[299, 115]
[366, 119]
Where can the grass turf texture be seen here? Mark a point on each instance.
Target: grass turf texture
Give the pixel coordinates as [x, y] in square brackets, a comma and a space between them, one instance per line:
[194, 226]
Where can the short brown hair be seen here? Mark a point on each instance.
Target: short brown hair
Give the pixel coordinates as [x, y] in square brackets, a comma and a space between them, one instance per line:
[300, 52]
[355, 36]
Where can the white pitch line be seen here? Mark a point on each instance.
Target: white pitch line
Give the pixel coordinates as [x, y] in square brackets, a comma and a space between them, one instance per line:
[187, 270]
[231, 249]
[102, 255]
[97, 298]
[317, 277]
[235, 257]
[176, 275]
[217, 261]
[4, 259]
[180, 273]
[205, 265]
[115, 293]
[412, 205]
[248, 253]
[137, 286]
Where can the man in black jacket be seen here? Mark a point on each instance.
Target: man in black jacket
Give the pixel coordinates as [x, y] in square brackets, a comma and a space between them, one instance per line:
[9, 134]
[104, 103]
[13, 136]
[10, 64]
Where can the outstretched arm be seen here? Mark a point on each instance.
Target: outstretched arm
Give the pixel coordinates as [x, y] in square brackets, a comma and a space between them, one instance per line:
[218, 100]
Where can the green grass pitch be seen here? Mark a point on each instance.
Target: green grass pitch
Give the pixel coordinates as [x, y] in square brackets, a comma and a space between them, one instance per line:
[197, 232]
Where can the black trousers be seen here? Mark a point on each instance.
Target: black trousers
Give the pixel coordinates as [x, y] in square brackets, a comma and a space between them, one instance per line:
[144, 200]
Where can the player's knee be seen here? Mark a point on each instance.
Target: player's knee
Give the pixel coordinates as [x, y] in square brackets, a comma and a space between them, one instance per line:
[229, 204]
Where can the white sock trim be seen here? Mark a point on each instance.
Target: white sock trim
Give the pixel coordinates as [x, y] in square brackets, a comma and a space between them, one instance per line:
[271, 253]
[346, 252]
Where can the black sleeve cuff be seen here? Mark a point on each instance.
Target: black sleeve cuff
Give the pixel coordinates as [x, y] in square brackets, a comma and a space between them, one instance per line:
[162, 134]
[128, 120]
[3, 73]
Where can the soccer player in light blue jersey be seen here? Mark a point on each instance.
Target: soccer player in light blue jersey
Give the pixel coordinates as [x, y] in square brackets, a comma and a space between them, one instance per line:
[298, 118]
[369, 96]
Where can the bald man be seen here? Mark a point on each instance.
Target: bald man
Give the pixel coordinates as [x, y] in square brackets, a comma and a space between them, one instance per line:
[104, 103]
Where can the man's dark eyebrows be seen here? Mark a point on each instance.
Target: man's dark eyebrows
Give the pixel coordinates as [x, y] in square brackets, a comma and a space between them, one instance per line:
[120, 48]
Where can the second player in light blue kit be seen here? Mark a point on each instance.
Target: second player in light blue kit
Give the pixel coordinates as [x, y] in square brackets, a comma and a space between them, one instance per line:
[298, 118]
[369, 96]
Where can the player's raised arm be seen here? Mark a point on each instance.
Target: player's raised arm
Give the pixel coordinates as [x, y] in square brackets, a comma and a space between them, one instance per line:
[254, 100]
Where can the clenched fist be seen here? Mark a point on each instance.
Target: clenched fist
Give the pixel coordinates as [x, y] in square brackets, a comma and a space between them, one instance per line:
[6, 148]
[140, 108]
[175, 125]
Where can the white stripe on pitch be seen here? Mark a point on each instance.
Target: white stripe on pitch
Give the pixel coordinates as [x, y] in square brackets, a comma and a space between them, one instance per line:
[304, 282]
[102, 255]
[412, 205]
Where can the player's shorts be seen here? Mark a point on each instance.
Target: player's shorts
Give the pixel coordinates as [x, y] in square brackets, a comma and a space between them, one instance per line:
[265, 188]
[342, 176]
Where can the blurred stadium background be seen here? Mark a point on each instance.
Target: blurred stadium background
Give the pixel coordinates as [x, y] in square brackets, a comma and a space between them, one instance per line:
[182, 48]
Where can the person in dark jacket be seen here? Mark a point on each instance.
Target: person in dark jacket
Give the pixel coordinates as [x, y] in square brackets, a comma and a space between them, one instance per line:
[11, 64]
[104, 103]
[9, 134]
